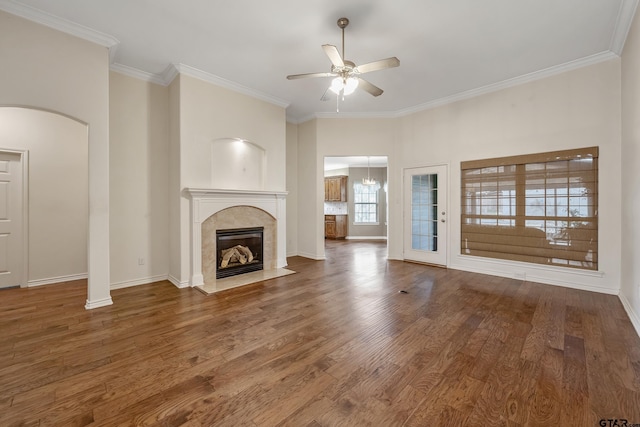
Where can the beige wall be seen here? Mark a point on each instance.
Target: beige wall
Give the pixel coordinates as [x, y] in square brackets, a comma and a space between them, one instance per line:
[208, 113]
[349, 137]
[292, 188]
[139, 178]
[578, 108]
[630, 288]
[58, 190]
[175, 250]
[47, 69]
[310, 199]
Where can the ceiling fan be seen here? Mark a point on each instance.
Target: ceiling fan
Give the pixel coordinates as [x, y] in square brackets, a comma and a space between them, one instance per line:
[346, 73]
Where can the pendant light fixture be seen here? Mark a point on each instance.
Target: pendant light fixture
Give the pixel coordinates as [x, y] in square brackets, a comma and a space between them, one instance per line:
[368, 180]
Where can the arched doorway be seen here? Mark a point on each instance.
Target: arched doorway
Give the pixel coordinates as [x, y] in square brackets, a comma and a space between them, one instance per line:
[54, 148]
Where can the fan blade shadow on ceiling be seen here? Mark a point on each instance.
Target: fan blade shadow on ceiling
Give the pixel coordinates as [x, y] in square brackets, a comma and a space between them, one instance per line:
[325, 95]
[378, 65]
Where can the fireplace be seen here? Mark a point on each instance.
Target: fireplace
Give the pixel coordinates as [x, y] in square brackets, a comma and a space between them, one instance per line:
[213, 210]
[239, 251]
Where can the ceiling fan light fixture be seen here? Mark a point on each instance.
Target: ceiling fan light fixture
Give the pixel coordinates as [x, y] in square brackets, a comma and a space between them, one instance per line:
[336, 85]
[350, 86]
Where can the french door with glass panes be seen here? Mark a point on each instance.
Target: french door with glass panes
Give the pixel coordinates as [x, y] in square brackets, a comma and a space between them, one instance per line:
[425, 214]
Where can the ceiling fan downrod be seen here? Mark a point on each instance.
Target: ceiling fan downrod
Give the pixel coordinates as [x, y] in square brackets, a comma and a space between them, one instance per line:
[342, 23]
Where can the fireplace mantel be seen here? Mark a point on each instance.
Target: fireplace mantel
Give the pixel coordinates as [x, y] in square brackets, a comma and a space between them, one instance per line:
[206, 202]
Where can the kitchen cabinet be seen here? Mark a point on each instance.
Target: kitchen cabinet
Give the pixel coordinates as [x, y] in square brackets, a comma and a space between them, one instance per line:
[335, 189]
[335, 226]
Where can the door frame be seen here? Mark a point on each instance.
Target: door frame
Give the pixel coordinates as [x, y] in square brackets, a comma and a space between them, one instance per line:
[406, 214]
[24, 166]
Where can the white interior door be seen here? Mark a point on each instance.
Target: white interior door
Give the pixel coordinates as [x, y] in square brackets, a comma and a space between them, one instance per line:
[11, 250]
[425, 207]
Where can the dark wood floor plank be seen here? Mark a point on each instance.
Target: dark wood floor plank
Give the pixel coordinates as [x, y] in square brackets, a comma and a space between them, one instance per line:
[335, 344]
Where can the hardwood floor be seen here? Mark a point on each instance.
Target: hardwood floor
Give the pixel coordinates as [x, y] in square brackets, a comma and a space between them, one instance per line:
[336, 344]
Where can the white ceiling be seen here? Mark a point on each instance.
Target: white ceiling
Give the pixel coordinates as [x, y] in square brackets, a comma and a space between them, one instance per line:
[447, 49]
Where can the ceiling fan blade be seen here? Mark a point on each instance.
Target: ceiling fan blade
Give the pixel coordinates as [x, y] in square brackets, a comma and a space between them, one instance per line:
[378, 65]
[368, 87]
[304, 76]
[333, 54]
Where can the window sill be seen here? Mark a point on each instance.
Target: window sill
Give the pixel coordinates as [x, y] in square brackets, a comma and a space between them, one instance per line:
[366, 223]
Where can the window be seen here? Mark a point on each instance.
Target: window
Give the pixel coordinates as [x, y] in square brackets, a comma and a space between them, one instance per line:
[539, 208]
[365, 203]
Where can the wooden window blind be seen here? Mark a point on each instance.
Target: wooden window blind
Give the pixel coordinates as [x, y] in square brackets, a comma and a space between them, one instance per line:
[539, 208]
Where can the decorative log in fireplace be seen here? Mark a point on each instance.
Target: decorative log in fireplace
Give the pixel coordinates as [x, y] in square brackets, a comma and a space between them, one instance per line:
[239, 251]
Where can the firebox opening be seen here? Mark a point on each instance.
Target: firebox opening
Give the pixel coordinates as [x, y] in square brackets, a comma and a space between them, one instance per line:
[239, 251]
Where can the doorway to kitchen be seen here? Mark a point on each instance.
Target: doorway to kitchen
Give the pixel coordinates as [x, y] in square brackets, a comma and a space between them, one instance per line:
[355, 198]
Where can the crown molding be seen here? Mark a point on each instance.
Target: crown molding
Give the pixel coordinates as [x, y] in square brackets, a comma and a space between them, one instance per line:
[623, 23]
[138, 74]
[59, 24]
[516, 81]
[355, 115]
[228, 84]
[343, 115]
[169, 73]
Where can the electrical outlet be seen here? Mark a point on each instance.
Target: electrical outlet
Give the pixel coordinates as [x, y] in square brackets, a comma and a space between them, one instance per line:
[140, 261]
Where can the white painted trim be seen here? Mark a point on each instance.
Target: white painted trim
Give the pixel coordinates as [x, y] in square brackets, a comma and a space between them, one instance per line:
[355, 115]
[406, 217]
[366, 237]
[633, 316]
[138, 282]
[177, 283]
[623, 24]
[24, 166]
[312, 256]
[138, 74]
[54, 280]
[532, 273]
[58, 23]
[90, 305]
[206, 202]
[536, 279]
[169, 73]
[227, 84]
[25, 217]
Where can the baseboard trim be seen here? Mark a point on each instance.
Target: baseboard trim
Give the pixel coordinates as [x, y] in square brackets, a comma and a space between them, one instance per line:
[54, 280]
[311, 256]
[177, 283]
[138, 282]
[90, 305]
[535, 278]
[366, 238]
[633, 316]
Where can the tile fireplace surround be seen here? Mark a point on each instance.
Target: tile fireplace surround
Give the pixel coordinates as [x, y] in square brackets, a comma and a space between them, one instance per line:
[208, 202]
